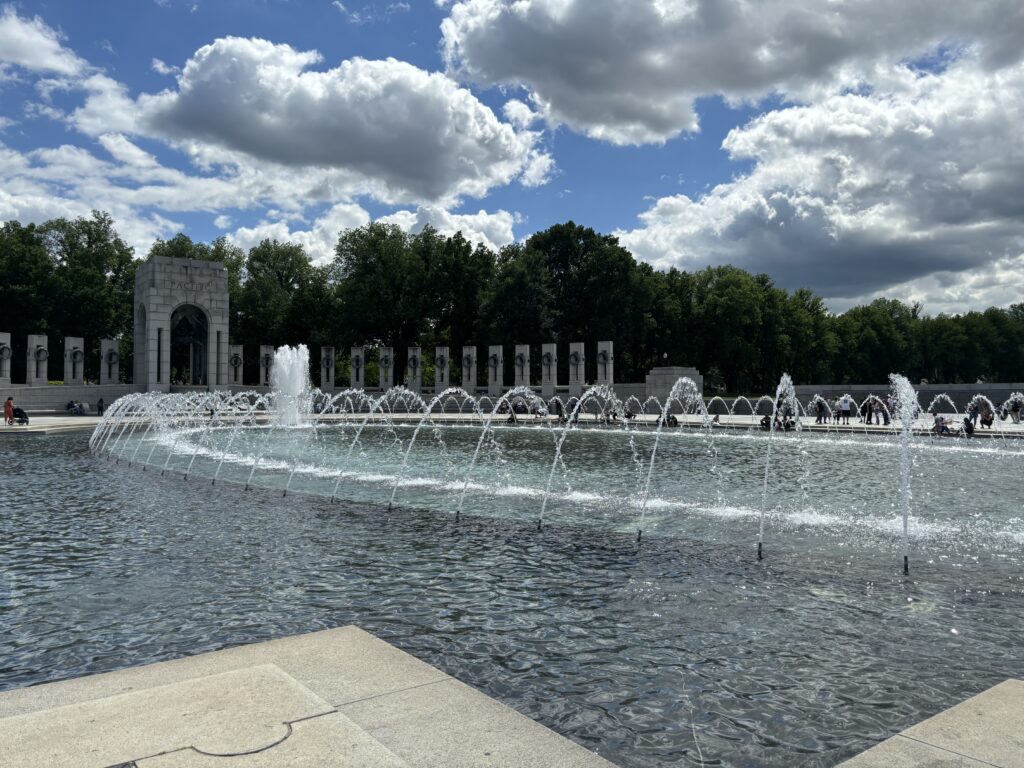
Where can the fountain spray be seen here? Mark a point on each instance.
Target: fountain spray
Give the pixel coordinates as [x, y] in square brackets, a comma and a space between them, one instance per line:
[785, 395]
[908, 408]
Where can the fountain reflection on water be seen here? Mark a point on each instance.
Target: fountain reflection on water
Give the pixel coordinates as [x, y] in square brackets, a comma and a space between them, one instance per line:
[274, 439]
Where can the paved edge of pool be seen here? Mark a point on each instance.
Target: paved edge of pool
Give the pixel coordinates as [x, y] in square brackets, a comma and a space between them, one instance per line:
[984, 730]
[338, 697]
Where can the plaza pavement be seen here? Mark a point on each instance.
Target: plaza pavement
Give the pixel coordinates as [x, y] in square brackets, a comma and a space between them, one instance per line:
[53, 424]
[983, 731]
[339, 697]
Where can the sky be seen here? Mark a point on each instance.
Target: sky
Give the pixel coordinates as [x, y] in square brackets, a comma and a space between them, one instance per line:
[860, 148]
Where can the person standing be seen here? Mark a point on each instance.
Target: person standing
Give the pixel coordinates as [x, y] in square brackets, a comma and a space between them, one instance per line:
[100, 405]
[9, 411]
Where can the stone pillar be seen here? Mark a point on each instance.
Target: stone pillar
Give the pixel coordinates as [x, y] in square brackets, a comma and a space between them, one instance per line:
[469, 369]
[577, 368]
[35, 365]
[110, 362]
[660, 381]
[495, 371]
[74, 360]
[414, 370]
[605, 363]
[236, 366]
[442, 379]
[266, 365]
[328, 369]
[357, 367]
[387, 367]
[218, 356]
[522, 365]
[6, 352]
[548, 370]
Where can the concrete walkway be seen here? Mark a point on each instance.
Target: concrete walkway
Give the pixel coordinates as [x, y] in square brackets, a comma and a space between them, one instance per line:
[50, 425]
[335, 698]
[986, 730]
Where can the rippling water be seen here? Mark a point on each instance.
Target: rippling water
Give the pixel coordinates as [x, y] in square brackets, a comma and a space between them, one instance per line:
[682, 650]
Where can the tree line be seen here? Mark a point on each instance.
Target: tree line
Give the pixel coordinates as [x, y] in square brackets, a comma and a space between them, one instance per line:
[567, 283]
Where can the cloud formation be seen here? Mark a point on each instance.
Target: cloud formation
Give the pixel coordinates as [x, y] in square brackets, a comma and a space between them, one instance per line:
[629, 73]
[494, 230]
[414, 135]
[862, 191]
[32, 45]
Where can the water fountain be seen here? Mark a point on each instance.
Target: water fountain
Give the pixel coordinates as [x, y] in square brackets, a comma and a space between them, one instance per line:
[594, 461]
[290, 380]
[417, 516]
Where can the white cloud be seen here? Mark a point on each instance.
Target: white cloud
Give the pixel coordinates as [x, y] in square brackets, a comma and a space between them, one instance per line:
[411, 135]
[519, 113]
[865, 192]
[493, 230]
[31, 44]
[107, 109]
[318, 241]
[629, 72]
[223, 222]
[163, 68]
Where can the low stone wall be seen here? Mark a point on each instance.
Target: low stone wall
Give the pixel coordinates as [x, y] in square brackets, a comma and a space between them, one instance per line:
[960, 394]
[54, 397]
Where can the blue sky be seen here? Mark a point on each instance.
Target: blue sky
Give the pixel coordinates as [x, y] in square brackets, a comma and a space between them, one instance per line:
[848, 147]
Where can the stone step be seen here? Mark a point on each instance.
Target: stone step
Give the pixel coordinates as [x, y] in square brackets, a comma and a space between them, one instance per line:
[258, 712]
[413, 712]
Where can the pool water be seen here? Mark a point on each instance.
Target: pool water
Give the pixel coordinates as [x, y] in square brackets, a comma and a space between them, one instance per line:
[682, 650]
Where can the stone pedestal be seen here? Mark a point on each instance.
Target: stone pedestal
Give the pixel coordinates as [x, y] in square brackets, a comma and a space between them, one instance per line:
[74, 360]
[357, 367]
[605, 363]
[38, 353]
[577, 368]
[110, 362]
[522, 365]
[469, 369]
[266, 365]
[328, 369]
[548, 370]
[6, 353]
[414, 370]
[236, 363]
[442, 360]
[386, 364]
[661, 380]
[495, 371]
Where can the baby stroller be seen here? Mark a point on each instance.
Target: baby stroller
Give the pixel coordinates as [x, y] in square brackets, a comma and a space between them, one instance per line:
[20, 417]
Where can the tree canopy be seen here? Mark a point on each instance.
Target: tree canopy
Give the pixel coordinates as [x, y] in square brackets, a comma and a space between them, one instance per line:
[566, 283]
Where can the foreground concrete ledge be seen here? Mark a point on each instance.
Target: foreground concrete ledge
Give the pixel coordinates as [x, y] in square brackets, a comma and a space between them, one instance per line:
[336, 697]
[984, 730]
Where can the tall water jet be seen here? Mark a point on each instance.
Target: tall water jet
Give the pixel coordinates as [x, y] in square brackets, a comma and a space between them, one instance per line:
[907, 408]
[784, 406]
[290, 380]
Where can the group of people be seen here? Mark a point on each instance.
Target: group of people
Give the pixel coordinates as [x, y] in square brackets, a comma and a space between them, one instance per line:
[840, 409]
[78, 408]
[943, 426]
[984, 414]
[13, 414]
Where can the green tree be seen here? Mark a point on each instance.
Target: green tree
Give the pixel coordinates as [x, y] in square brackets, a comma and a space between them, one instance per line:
[94, 286]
